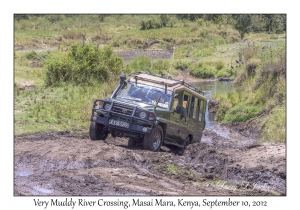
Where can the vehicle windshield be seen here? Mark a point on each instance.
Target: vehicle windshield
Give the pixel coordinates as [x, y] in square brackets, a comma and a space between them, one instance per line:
[146, 94]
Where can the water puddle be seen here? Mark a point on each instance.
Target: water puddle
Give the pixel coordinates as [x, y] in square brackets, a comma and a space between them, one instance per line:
[22, 173]
[237, 138]
[42, 190]
[209, 88]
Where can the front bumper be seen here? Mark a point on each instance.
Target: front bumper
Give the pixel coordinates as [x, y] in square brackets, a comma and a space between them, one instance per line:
[132, 127]
[123, 113]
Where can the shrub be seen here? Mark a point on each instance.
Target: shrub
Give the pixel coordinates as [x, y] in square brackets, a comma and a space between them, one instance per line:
[219, 65]
[242, 112]
[82, 65]
[251, 69]
[182, 52]
[160, 66]
[160, 22]
[32, 55]
[223, 73]
[181, 65]
[220, 114]
[201, 71]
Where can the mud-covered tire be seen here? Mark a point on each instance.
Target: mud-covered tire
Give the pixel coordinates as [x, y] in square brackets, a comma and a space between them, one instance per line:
[154, 140]
[131, 142]
[185, 144]
[181, 150]
[96, 132]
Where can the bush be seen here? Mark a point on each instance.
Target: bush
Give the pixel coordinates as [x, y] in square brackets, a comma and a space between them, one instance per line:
[219, 65]
[160, 22]
[160, 66]
[181, 65]
[201, 71]
[226, 101]
[242, 112]
[223, 73]
[32, 56]
[182, 52]
[82, 65]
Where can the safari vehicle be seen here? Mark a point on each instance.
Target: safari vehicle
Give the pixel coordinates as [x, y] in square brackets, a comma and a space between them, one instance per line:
[151, 110]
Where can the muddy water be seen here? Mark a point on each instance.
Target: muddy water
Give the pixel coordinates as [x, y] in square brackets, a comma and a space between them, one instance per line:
[209, 88]
[67, 164]
[213, 128]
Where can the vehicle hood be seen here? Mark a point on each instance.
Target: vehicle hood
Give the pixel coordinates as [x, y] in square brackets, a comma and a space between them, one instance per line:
[149, 107]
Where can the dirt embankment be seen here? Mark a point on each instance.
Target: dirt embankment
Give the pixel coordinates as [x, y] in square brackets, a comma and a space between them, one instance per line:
[67, 164]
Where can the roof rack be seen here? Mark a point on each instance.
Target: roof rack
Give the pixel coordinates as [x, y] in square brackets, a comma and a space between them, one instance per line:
[165, 81]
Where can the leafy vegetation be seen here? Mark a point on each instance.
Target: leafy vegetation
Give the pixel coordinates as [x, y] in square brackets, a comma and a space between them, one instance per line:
[260, 92]
[75, 63]
[83, 64]
[160, 22]
[241, 113]
[57, 108]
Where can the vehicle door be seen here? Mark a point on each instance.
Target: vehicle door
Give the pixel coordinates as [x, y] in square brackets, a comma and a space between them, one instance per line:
[196, 117]
[178, 130]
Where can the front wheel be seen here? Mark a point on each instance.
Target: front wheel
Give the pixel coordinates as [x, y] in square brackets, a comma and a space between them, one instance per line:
[96, 132]
[154, 140]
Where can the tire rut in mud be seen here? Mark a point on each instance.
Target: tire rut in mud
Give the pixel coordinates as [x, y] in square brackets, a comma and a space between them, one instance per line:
[70, 164]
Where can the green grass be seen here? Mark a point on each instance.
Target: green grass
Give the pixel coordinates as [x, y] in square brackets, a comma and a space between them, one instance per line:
[173, 169]
[205, 49]
[260, 92]
[58, 108]
[242, 113]
[275, 126]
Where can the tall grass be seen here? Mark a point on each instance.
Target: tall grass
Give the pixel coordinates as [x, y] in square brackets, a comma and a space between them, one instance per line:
[204, 48]
[121, 31]
[260, 92]
[275, 125]
[57, 108]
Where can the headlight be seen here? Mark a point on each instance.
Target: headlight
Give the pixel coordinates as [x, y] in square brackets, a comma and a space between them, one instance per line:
[151, 116]
[143, 115]
[99, 105]
[107, 106]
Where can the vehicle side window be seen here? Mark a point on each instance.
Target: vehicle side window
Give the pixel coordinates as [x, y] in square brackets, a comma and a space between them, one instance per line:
[184, 107]
[192, 110]
[195, 108]
[185, 101]
[175, 101]
[201, 109]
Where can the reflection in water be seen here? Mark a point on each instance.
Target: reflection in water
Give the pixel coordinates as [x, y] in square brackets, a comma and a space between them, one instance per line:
[209, 88]
[42, 190]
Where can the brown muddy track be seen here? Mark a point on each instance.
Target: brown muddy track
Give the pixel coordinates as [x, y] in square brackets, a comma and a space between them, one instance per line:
[70, 164]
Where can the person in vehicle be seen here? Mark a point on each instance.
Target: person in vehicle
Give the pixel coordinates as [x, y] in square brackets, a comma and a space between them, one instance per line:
[183, 113]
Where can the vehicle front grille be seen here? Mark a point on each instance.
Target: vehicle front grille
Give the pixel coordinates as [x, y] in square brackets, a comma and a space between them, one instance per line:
[122, 109]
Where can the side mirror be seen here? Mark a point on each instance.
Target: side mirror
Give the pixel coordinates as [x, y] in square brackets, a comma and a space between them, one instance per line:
[178, 109]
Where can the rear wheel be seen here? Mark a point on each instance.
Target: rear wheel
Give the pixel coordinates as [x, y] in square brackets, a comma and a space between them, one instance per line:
[154, 140]
[96, 132]
[185, 144]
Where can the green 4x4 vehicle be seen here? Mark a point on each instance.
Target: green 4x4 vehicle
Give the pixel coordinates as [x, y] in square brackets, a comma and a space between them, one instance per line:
[151, 110]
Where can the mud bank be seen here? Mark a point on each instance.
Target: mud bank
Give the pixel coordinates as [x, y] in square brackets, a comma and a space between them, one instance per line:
[69, 164]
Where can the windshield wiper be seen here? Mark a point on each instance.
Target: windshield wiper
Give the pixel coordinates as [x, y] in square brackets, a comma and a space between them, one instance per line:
[131, 98]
